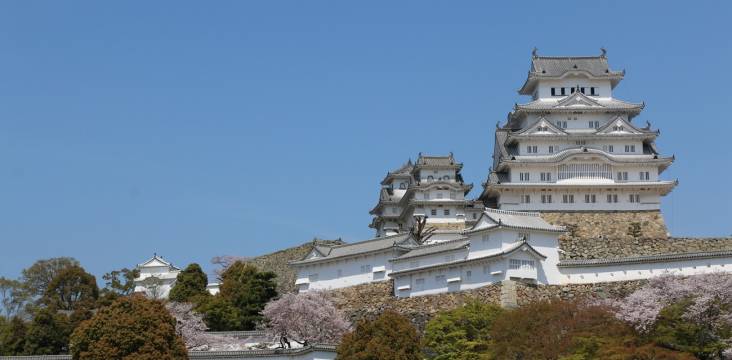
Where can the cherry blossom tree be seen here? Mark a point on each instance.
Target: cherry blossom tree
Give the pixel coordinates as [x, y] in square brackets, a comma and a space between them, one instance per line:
[307, 318]
[704, 303]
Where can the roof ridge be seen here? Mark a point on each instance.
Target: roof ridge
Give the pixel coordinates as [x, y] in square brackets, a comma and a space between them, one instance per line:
[440, 243]
[514, 212]
[370, 240]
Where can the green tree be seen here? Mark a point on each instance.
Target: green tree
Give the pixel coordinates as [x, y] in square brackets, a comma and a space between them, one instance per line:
[706, 340]
[12, 296]
[117, 283]
[244, 292]
[570, 331]
[12, 336]
[48, 333]
[189, 285]
[71, 289]
[462, 333]
[132, 327]
[220, 314]
[388, 337]
[38, 276]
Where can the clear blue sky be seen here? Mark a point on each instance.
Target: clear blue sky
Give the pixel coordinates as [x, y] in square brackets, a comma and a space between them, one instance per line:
[241, 127]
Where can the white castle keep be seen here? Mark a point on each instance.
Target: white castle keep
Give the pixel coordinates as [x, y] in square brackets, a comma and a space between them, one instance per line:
[572, 149]
[574, 146]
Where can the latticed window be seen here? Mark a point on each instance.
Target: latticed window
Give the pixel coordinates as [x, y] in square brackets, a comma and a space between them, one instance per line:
[585, 171]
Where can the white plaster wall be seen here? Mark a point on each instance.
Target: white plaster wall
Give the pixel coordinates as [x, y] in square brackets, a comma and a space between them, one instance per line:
[511, 200]
[584, 275]
[570, 81]
[480, 275]
[561, 143]
[428, 260]
[436, 174]
[535, 171]
[329, 277]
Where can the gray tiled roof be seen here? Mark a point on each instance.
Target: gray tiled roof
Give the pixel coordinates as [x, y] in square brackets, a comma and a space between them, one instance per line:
[435, 248]
[600, 104]
[518, 245]
[427, 160]
[552, 66]
[519, 219]
[645, 259]
[361, 247]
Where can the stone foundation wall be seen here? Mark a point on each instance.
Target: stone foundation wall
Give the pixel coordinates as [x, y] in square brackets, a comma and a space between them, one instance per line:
[610, 224]
[368, 300]
[528, 293]
[594, 235]
[579, 248]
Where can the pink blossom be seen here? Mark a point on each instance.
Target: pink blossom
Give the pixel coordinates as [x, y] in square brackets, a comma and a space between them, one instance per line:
[305, 318]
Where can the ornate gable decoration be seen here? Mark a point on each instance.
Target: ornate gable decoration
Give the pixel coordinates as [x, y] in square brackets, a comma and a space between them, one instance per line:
[578, 99]
[543, 127]
[618, 126]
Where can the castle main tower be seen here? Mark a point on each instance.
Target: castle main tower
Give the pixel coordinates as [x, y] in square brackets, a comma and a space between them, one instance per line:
[575, 147]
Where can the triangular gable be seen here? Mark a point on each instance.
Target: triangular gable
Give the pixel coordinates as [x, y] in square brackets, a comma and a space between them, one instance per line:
[524, 246]
[155, 261]
[484, 221]
[542, 127]
[578, 99]
[618, 126]
[407, 241]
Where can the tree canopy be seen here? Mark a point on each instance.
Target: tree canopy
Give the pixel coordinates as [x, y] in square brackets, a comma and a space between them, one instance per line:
[71, 289]
[244, 292]
[190, 284]
[462, 333]
[132, 327]
[570, 330]
[388, 337]
[38, 276]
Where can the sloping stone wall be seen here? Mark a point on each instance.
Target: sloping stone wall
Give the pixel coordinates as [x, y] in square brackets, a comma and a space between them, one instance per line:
[610, 224]
[368, 300]
[528, 293]
[614, 234]
[579, 248]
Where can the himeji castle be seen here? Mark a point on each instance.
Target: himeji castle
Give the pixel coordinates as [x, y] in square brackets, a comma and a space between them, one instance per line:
[574, 146]
[573, 196]
[571, 157]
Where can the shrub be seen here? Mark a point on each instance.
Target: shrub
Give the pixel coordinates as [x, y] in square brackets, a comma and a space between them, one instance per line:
[190, 284]
[244, 292]
[462, 333]
[388, 337]
[131, 327]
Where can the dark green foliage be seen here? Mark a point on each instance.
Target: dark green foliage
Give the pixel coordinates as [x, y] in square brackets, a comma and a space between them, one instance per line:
[71, 289]
[462, 333]
[189, 285]
[38, 276]
[244, 293]
[570, 331]
[220, 314]
[389, 337]
[12, 336]
[48, 333]
[117, 283]
[132, 327]
[705, 340]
